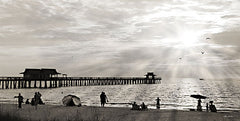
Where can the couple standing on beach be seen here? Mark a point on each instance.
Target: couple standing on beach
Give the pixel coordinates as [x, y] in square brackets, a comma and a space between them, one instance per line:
[36, 99]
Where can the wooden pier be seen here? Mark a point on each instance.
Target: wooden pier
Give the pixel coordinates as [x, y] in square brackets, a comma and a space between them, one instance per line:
[20, 82]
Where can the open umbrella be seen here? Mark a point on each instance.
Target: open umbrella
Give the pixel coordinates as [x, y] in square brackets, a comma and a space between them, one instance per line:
[71, 100]
[198, 96]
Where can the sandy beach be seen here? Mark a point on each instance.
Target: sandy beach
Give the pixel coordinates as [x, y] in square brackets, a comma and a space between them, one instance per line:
[88, 113]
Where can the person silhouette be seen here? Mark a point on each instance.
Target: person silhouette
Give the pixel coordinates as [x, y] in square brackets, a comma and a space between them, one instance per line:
[20, 100]
[207, 107]
[135, 106]
[158, 103]
[36, 99]
[199, 106]
[212, 107]
[144, 107]
[27, 101]
[103, 99]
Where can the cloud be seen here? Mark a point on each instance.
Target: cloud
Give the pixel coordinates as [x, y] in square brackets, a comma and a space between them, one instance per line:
[91, 37]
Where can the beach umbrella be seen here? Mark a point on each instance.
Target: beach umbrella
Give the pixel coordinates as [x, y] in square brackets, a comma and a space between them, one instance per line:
[71, 100]
[198, 96]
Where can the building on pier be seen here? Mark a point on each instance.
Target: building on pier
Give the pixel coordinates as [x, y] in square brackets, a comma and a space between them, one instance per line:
[39, 73]
[150, 75]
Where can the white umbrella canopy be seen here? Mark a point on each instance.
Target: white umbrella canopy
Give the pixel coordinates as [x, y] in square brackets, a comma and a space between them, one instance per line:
[71, 100]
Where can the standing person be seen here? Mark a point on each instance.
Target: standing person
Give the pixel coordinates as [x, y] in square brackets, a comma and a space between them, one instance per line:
[199, 106]
[36, 99]
[158, 103]
[207, 107]
[103, 99]
[20, 100]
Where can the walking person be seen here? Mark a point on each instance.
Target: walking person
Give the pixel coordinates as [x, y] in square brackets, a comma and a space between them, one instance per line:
[158, 103]
[20, 100]
[103, 99]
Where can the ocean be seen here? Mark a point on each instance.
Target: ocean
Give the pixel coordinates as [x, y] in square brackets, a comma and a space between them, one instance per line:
[174, 94]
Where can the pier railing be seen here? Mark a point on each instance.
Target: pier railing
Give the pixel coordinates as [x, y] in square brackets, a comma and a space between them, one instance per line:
[20, 82]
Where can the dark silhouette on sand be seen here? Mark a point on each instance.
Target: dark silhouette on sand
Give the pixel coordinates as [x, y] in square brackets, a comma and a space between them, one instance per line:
[36, 99]
[103, 98]
[212, 107]
[20, 100]
[158, 103]
[206, 107]
[135, 106]
[143, 106]
[27, 101]
[199, 106]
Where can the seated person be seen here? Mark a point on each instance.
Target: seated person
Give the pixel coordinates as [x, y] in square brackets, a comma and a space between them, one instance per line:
[135, 106]
[32, 101]
[27, 101]
[212, 107]
[41, 102]
[144, 107]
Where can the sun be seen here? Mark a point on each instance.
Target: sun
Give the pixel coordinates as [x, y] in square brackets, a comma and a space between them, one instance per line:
[185, 39]
[188, 38]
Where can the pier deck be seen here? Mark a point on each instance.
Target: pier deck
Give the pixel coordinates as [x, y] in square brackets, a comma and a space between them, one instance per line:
[20, 82]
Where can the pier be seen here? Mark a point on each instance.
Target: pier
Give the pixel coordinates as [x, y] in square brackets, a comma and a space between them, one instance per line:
[48, 78]
[20, 82]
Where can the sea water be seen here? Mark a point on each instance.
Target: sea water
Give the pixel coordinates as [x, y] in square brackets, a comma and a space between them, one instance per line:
[174, 94]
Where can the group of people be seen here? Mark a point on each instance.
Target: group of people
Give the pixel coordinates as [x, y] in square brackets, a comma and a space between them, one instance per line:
[211, 107]
[37, 99]
[34, 102]
[135, 106]
[103, 99]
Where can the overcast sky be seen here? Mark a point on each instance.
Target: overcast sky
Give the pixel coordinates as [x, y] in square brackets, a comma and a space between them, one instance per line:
[121, 37]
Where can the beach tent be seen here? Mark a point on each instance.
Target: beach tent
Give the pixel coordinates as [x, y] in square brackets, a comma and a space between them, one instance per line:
[71, 100]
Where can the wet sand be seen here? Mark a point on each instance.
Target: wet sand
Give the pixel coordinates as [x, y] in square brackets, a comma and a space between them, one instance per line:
[88, 113]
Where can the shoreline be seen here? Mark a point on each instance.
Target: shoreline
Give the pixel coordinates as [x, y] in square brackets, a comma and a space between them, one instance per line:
[94, 113]
[149, 107]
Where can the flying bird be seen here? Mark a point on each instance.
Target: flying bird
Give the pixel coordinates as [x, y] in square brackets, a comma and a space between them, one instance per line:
[202, 52]
[208, 38]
